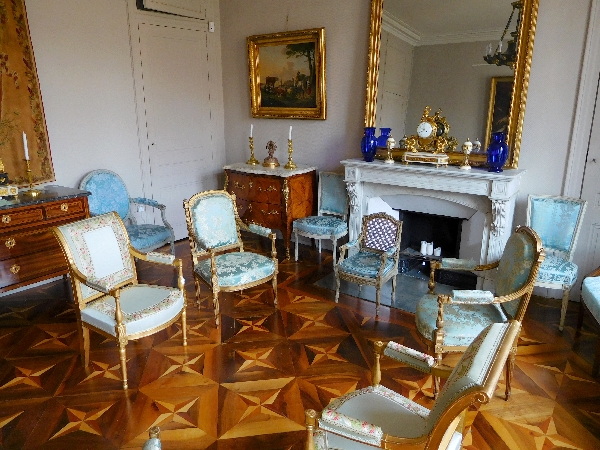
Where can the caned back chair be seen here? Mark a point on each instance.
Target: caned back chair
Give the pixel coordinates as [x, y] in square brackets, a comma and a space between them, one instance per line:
[331, 219]
[108, 298]
[109, 193]
[557, 221]
[217, 250]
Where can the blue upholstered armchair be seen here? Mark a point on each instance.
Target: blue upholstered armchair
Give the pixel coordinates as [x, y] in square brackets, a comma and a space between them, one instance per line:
[109, 193]
[214, 230]
[557, 220]
[449, 323]
[590, 301]
[376, 260]
[330, 223]
[377, 417]
[108, 297]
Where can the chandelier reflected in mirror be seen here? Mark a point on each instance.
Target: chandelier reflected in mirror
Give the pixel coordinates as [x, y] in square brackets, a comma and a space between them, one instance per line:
[509, 56]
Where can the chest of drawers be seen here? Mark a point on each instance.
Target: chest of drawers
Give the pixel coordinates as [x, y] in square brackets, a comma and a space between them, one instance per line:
[29, 252]
[273, 198]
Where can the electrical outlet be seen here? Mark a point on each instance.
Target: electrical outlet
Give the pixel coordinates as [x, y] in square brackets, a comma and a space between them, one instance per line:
[141, 208]
[211, 27]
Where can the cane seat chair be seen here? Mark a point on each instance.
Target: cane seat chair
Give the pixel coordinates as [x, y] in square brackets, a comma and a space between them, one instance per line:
[108, 298]
[590, 301]
[449, 323]
[330, 221]
[557, 221]
[376, 260]
[109, 193]
[217, 250]
[379, 417]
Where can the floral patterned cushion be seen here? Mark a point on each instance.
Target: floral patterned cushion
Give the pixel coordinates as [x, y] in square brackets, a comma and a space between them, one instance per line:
[557, 270]
[147, 236]
[213, 221]
[462, 322]
[365, 264]
[144, 307]
[590, 294]
[108, 193]
[352, 415]
[237, 268]
[322, 226]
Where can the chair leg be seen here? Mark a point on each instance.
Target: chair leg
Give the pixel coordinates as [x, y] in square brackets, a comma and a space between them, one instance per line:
[85, 346]
[377, 299]
[334, 249]
[184, 326]
[359, 288]
[563, 309]
[579, 318]
[216, 304]
[123, 359]
[394, 287]
[173, 248]
[319, 246]
[296, 238]
[510, 365]
[337, 285]
[311, 426]
[275, 289]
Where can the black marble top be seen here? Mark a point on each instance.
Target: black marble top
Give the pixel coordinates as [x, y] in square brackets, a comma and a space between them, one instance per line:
[49, 193]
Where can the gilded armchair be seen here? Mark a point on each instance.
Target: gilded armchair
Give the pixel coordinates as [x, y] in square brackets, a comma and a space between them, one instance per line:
[217, 250]
[376, 260]
[557, 220]
[379, 417]
[449, 323]
[108, 298]
[109, 193]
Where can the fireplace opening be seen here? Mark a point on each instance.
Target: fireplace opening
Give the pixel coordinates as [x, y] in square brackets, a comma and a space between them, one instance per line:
[445, 233]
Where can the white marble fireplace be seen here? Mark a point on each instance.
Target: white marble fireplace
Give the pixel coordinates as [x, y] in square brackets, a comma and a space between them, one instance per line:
[486, 199]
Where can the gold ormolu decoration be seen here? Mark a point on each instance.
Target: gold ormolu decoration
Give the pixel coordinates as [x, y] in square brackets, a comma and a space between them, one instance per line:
[31, 191]
[252, 161]
[271, 161]
[1, 166]
[290, 164]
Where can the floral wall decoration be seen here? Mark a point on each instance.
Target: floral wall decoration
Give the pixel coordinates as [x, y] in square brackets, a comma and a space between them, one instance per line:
[21, 109]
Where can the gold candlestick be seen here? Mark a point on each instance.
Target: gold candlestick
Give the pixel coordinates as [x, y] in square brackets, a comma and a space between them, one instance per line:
[290, 164]
[252, 161]
[33, 192]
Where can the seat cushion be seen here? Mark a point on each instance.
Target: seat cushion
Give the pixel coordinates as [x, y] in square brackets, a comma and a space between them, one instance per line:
[147, 236]
[322, 226]
[590, 294]
[365, 264]
[144, 307]
[462, 323]
[557, 270]
[237, 268]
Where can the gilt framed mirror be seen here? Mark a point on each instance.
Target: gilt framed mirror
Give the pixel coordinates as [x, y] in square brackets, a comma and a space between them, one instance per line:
[431, 53]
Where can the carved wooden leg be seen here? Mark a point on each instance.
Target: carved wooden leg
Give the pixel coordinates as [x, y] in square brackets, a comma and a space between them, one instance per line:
[275, 289]
[216, 304]
[184, 326]
[431, 285]
[334, 249]
[359, 288]
[337, 285]
[510, 364]
[311, 426]
[319, 246]
[563, 309]
[198, 295]
[85, 346]
[377, 298]
[123, 359]
[394, 287]
[296, 238]
[579, 317]
[376, 371]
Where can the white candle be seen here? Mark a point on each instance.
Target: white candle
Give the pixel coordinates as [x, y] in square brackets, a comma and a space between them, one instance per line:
[25, 146]
[251, 128]
[290, 136]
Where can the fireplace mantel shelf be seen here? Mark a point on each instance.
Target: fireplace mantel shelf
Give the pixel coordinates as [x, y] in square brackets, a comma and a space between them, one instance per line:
[366, 180]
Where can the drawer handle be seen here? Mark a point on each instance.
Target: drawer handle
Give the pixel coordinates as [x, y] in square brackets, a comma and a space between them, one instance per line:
[15, 268]
[64, 207]
[10, 243]
[269, 213]
[250, 183]
[269, 189]
[5, 218]
[238, 185]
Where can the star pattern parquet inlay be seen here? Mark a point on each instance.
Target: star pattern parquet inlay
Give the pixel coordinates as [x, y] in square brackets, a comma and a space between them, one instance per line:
[246, 383]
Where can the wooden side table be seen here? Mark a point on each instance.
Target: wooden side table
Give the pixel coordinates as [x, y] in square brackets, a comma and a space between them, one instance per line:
[273, 198]
[29, 252]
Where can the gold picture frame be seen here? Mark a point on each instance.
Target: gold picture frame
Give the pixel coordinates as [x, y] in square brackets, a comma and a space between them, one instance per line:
[287, 74]
[499, 107]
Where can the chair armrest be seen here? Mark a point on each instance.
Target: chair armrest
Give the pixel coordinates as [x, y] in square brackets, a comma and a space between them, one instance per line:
[156, 257]
[257, 229]
[359, 430]
[147, 202]
[348, 245]
[595, 273]
[100, 285]
[476, 297]
[409, 356]
[458, 264]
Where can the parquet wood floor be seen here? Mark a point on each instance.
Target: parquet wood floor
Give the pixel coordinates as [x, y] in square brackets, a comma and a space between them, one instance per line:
[246, 384]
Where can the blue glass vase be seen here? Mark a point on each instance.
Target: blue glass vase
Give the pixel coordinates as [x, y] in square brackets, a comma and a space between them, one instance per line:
[368, 144]
[497, 152]
[383, 137]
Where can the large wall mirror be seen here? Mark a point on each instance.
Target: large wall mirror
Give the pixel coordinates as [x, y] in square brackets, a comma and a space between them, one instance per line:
[431, 53]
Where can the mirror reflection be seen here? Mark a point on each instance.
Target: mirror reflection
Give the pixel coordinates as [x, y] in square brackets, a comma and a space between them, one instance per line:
[432, 54]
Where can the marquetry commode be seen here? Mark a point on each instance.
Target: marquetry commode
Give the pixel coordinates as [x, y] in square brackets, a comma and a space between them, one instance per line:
[29, 252]
[273, 198]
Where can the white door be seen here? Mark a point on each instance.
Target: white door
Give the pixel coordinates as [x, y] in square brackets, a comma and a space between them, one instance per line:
[176, 104]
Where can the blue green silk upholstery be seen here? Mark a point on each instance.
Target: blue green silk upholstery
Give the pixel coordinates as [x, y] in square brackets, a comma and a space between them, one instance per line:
[365, 264]
[462, 322]
[109, 193]
[334, 199]
[258, 229]
[472, 296]
[214, 221]
[236, 268]
[458, 264]
[557, 270]
[322, 225]
[590, 295]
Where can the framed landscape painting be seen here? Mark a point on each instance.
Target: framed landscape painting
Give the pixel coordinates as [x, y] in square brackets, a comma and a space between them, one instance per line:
[287, 74]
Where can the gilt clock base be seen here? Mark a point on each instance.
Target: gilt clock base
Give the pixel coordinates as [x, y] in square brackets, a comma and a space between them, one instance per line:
[439, 159]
